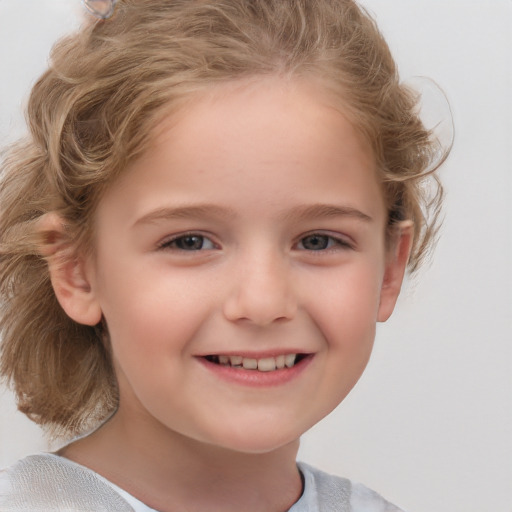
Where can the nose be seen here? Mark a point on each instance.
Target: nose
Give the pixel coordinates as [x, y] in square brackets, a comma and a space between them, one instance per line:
[262, 291]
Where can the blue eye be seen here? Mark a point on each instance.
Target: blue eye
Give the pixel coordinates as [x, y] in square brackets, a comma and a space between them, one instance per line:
[319, 242]
[189, 242]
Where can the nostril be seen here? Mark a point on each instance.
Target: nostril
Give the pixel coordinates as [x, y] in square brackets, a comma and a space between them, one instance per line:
[259, 310]
[261, 292]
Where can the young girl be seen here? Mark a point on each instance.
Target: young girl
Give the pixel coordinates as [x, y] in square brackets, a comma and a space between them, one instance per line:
[217, 202]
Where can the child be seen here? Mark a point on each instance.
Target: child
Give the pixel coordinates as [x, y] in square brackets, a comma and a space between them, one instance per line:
[217, 203]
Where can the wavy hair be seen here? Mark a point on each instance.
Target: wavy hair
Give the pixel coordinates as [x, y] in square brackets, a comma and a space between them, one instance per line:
[93, 110]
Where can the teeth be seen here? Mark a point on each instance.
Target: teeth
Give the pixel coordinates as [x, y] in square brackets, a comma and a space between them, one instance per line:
[236, 360]
[280, 362]
[289, 360]
[250, 364]
[265, 364]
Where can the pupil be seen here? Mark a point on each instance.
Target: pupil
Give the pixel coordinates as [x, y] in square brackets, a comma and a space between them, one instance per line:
[192, 242]
[316, 242]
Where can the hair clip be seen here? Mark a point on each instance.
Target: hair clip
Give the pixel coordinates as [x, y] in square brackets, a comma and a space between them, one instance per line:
[102, 9]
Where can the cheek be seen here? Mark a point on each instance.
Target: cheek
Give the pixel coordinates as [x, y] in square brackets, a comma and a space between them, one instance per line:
[151, 313]
[345, 314]
[347, 302]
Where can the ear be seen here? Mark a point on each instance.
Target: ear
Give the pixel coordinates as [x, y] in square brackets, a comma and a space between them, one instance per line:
[68, 272]
[396, 263]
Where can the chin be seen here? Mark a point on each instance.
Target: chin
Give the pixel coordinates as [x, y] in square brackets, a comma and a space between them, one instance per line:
[253, 442]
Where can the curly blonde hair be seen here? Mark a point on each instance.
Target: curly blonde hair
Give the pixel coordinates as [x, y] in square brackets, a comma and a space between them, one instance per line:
[93, 111]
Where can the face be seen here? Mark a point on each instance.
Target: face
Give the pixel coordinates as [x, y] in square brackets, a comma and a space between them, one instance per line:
[241, 267]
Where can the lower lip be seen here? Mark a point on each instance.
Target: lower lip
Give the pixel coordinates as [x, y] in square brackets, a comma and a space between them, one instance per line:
[255, 378]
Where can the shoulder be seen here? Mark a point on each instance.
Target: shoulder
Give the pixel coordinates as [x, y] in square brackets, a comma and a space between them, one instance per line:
[47, 483]
[329, 493]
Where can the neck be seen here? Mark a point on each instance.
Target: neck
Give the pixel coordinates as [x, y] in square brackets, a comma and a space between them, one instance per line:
[170, 472]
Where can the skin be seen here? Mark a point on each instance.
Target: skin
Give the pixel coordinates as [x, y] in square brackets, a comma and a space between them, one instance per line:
[290, 256]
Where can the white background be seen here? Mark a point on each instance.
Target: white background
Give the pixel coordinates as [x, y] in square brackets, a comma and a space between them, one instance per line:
[430, 423]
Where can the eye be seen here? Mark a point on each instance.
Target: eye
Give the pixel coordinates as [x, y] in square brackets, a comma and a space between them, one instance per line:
[188, 242]
[321, 242]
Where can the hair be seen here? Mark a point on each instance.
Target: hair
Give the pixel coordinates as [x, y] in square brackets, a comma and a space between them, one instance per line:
[93, 111]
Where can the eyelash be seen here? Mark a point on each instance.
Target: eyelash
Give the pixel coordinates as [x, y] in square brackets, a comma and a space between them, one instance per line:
[333, 243]
[172, 243]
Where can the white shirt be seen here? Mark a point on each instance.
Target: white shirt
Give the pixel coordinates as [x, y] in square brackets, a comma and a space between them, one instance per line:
[49, 483]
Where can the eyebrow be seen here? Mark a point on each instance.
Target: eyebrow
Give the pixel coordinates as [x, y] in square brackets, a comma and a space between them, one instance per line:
[185, 212]
[299, 213]
[318, 211]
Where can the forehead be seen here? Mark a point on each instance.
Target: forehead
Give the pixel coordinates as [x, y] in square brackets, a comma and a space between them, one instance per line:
[302, 97]
[272, 140]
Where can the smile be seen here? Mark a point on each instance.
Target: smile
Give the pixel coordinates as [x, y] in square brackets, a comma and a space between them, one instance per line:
[264, 364]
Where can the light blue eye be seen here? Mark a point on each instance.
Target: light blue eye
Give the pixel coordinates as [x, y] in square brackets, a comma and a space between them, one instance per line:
[320, 242]
[316, 242]
[189, 243]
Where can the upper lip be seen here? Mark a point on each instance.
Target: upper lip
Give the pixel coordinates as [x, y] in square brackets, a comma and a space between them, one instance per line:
[249, 354]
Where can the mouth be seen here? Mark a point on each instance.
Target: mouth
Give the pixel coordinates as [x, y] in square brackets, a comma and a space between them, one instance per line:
[264, 364]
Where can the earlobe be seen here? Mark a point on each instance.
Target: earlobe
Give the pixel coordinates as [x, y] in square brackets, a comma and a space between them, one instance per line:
[68, 272]
[396, 265]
